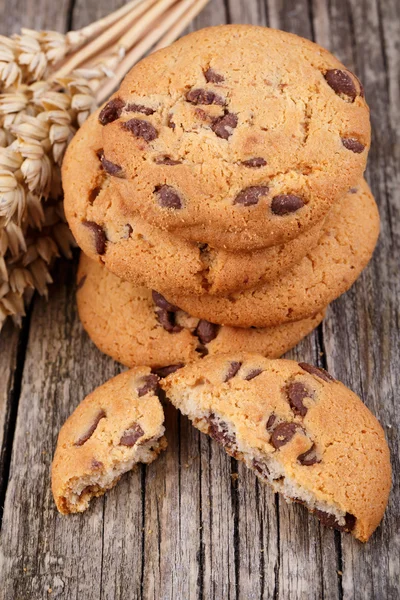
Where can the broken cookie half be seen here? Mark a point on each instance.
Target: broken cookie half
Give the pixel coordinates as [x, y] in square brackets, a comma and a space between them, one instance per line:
[297, 428]
[115, 427]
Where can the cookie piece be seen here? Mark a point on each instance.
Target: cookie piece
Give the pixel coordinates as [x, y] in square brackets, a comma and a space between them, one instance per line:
[297, 428]
[148, 256]
[248, 161]
[115, 427]
[346, 245]
[137, 327]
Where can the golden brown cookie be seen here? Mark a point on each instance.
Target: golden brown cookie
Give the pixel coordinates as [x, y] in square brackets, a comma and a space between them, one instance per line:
[133, 326]
[346, 245]
[237, 136]
[112, 429]
[297, 428]
[148, 256]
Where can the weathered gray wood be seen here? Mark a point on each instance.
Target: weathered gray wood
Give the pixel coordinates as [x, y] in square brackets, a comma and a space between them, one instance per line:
[195, 524]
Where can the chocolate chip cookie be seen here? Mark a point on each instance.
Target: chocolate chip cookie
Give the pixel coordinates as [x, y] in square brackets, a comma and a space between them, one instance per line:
[149, 256]
[112, 429]
[136, 326]
[296, 428]
[346, 245]
[237, 136]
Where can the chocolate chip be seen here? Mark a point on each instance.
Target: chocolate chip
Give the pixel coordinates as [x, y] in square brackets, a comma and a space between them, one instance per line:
[251, 195]
[162, 302]
[270, 423]
[165, 371]
[167, 320]
[223, 126]
[129, 230]
[94, 193]
[111, 111]
[252, 374]
[111, 168]
[353, 190]
[341, 83]
[353, 144]
[232, 370]
[254, 163]
[206, 331]
[96, 464]
[219, 431]
[331, 521]
[166, 160]
[202, 350]
[199, 96]
[170, 122]
[84, 438]
[261, 468]
[296, 393]
[99, 235]
[285, 204]
[150, 384]
[309, 457]
[283, 433]
[139, 108]
[168, 197]
[212, 76]
[131, 435]
[81, 282]
[316, 371]
[140, 129]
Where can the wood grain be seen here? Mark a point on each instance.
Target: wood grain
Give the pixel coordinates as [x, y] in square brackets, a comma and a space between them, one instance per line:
[195, 524]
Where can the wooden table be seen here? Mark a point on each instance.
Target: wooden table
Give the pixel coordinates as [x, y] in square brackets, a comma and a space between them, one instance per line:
[195, 524]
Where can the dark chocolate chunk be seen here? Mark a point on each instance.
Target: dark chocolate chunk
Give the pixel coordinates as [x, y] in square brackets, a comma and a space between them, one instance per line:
[213, 77]
[251, 195]
[296, 393]
[131, 435]
[285, 204]
[206, 331]
[252, 374]
[99, 235]
[255, 163]
[140, 108]
[162, 302]
[140, 129]
[330, 521]
[150, 384]
[223, 126]
[341, 83]
[261, 468]
[111, 111]
[111, 168]
[316, 371]
[283, 433]
[84, 438]
[165, 371]
[199, 96]
[309, 457]
[167, 160]
[168, 197]
[167, 320]
[232, 370]
[170, 122]
[270, 423]
[219, 431]
[353, 144]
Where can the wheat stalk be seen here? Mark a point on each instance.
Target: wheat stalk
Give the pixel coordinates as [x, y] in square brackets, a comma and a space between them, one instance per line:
[49, 84]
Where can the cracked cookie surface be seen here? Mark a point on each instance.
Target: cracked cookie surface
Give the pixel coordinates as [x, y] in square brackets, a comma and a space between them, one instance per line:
[146, 255]
[346, 245]
[116, 426]
[249, 157]
[136, 326]
[297, 428]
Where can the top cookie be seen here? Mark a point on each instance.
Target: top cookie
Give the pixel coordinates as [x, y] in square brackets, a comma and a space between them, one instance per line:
[238, 136]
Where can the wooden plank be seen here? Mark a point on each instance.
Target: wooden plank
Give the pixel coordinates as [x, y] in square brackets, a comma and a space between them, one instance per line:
[361, 332]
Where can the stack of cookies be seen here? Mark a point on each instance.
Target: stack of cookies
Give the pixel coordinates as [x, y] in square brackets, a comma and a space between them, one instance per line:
[219, 202]
[218, 198]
